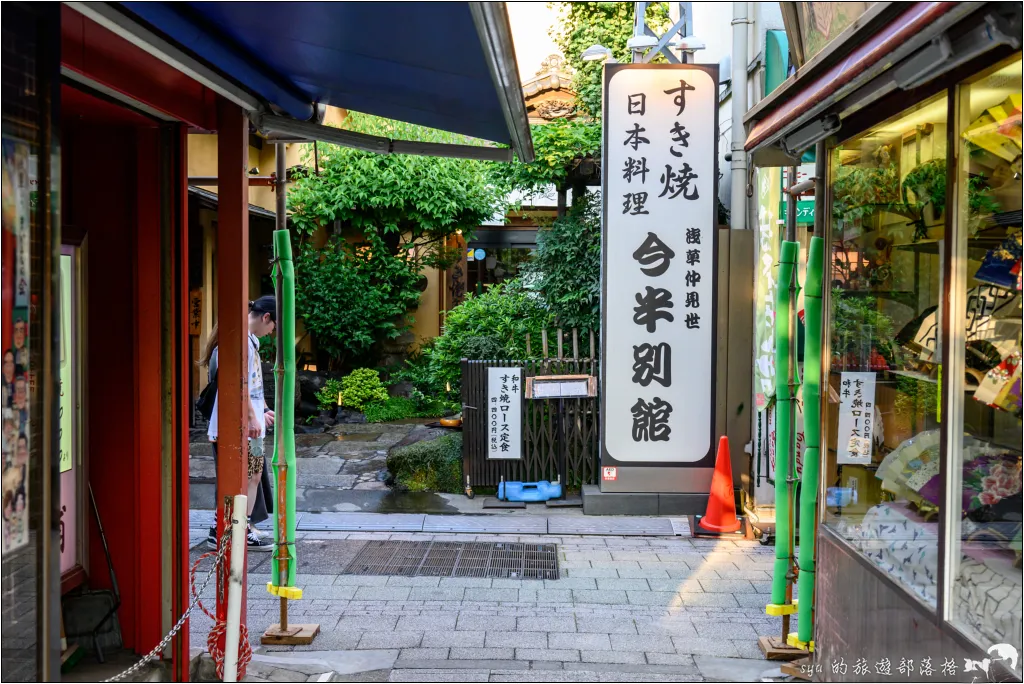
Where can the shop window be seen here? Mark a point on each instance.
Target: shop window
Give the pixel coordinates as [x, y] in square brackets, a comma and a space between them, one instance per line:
[887, 218]
[490, 265]
[985, 480]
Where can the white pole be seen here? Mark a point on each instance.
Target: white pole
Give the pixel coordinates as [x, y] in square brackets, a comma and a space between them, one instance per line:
[738, 194]
[238, 548]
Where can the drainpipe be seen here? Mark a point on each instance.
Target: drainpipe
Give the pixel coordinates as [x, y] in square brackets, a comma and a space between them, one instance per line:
[738, 195]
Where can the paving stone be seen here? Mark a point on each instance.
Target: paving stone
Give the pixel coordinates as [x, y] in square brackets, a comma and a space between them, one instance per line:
[482, 653]
[426, 623]
[762, 587]
[506, 583]
[595, 596]
[701, 600]
[571, 583]
[647, 677]
[622, 583]
[666, 599]
[413, 581]
[635, 555]
[724, 630]
[547, 676]
[612, 657]
[704, 646]
[484, 623]
[570, 640]
[564, 656]
[516, 640]
[605, 625]
[382, 594]
[466, 582]
[318, 591]
[437, 594]
[576, 573]
[396, 639]
[589, 556]
[545, 624]
[745, 648]
[672, 627]
[479, 594]
[674, 585]
[642, 573]
[655, 643]
[449, 639]
[753, 601]
[724, 586]
[439, 676]
[421, 653]
[545, 596]
[361, 580]
[367, 623]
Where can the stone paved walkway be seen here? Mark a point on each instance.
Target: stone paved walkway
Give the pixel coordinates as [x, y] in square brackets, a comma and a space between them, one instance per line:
[350, 457]
[625, 609]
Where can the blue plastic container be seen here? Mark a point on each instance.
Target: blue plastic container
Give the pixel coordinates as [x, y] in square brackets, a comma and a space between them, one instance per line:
[529, 491]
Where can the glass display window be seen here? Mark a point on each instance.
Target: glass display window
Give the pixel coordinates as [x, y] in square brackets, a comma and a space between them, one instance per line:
[887, 224]
[984, 579]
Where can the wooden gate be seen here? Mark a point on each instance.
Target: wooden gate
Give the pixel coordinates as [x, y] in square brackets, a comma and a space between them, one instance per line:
[540, 436]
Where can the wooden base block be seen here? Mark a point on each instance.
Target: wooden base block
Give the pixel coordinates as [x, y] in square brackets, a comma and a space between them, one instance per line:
[800, 668]
[295, 635]
[775, 648]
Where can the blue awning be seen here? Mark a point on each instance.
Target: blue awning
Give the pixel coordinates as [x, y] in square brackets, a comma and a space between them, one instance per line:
[428, 63]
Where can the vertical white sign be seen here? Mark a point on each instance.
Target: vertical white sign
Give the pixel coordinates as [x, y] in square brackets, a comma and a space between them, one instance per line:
[856, 418]
[505, 413]
[659, 262]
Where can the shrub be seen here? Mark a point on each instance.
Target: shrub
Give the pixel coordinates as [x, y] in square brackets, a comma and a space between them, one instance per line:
[327, 397]
[504, 314]
[360, 387]
[567, 267]
[402, 408]
[431, 466]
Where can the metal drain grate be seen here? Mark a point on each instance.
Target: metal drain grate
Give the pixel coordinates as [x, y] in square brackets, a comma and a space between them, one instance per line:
[456, 559]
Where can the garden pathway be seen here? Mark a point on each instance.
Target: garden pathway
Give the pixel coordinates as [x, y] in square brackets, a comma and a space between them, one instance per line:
[342, 469]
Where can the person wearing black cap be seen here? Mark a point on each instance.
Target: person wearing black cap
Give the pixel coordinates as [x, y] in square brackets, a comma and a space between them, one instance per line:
[262, 322]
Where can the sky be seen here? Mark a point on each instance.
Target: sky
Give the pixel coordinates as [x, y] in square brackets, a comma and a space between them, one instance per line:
[531, 20]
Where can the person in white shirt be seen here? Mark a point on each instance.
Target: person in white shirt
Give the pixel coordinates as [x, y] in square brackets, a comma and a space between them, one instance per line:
[262, 322]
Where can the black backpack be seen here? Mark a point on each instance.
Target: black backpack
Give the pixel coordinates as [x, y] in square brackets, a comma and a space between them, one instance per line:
[206, 398]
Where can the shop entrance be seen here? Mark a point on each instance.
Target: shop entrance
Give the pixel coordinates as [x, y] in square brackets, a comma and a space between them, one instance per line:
[118, 361]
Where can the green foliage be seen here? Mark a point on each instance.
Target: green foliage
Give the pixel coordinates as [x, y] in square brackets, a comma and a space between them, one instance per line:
[559, 147]
[387, 217]
[610, 24]
[854, 316]
[268, 348]
[360, 387]
[504, 313]
[327, 397]
[431, 466]
[402, 408]
[352, 298]
[411, 201]
[567, 265]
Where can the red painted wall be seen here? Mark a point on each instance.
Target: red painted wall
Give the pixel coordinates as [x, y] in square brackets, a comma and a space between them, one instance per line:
[112, 195]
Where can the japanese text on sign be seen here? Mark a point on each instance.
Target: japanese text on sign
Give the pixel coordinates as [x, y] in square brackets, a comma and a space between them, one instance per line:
[856, 417]
[659, 253]
[504, 413]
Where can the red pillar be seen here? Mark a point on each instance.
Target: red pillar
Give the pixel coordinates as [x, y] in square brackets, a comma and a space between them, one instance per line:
[232, 316]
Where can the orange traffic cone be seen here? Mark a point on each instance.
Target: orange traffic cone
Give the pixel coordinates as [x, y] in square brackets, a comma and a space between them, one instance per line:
[721, 512]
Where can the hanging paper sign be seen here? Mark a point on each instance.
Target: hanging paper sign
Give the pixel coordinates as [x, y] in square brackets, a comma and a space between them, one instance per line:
[856, 418]
[658, 284]
[505, 413]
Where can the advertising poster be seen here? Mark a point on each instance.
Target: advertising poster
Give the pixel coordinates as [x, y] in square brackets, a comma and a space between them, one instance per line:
[16, 385]
[505, 413]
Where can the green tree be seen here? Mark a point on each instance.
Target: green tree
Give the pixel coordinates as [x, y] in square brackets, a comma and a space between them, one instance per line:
[386, 218]
[610, 24]
[567, 266]
[560, 147]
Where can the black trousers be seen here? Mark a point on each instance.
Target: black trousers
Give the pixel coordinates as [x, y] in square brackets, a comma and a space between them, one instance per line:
[264, 505]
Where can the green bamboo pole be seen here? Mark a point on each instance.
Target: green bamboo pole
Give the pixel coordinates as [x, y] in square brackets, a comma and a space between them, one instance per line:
[283, 571]
[812, 430]
[783, 433]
